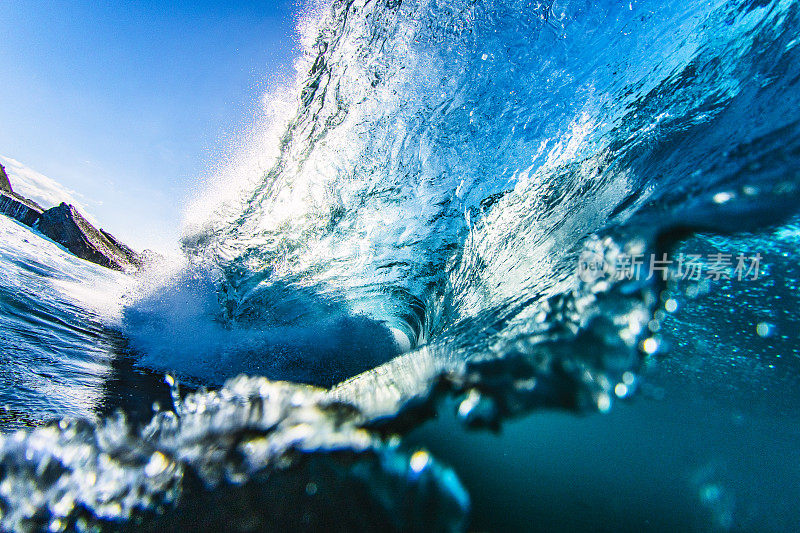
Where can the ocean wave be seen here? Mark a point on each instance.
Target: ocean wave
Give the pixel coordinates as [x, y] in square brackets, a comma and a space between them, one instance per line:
[417, 241]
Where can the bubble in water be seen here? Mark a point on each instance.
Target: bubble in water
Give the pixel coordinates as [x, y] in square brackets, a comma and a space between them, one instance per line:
[765, 329]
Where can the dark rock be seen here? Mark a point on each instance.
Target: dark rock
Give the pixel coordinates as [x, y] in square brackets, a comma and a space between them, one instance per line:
[19, 208]
[135, 258]
[66, 226]
[16, 206]
[5, 183]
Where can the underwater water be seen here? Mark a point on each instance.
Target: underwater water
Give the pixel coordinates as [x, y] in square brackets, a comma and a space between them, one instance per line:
[430, 277]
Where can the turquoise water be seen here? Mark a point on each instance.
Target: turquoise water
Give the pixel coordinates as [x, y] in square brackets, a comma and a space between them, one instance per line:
[413, 238]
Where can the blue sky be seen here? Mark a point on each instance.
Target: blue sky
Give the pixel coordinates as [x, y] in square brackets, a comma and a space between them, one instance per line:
[128, 103]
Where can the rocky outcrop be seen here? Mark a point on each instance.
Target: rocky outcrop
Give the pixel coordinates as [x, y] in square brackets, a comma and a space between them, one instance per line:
[132, 256]
[19, 208]
[65, 225]
[5, 183]
[14, 205]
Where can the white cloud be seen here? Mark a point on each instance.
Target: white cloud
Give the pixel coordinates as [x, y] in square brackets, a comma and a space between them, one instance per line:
[45, 191]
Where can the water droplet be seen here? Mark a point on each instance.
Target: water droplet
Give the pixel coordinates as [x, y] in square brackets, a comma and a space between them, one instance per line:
[469, 403]
[650, 345]
[764, 329]
[722, 197]
[710, 493]
[604, 403]
[419, 461]
[157, 464]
